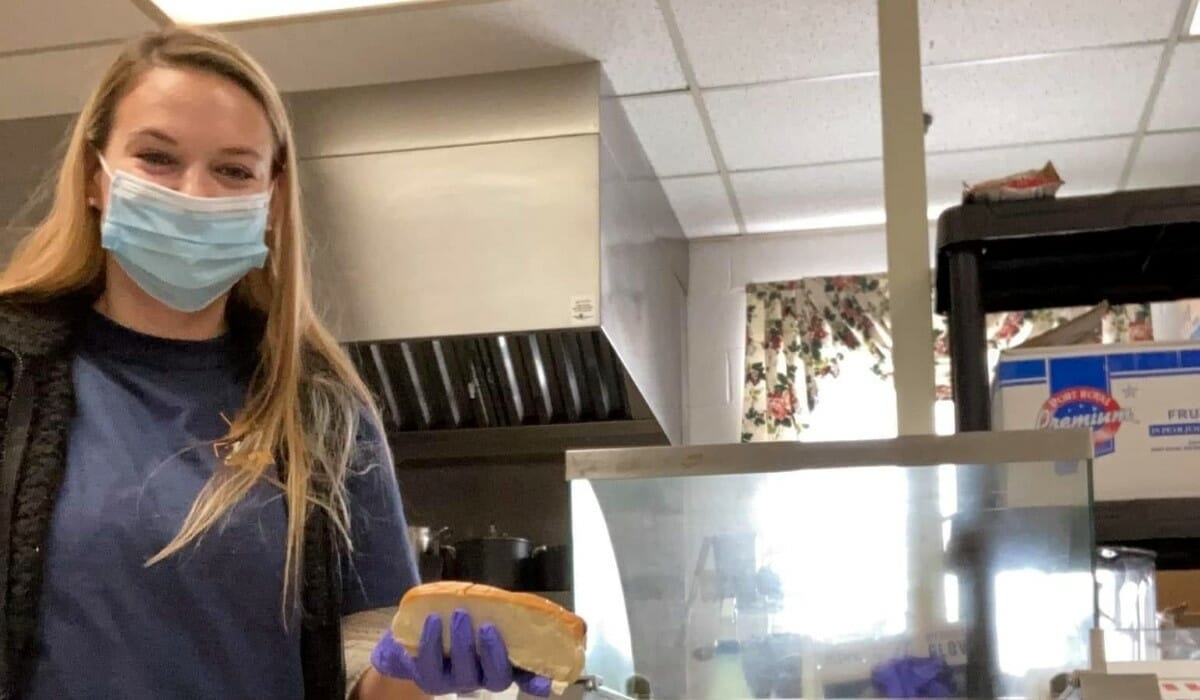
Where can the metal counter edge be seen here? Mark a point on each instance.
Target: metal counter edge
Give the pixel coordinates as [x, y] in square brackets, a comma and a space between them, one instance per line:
[907, 451]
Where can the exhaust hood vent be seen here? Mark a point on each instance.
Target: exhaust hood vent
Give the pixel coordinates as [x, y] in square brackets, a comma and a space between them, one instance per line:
[499, 259]
[523, 379]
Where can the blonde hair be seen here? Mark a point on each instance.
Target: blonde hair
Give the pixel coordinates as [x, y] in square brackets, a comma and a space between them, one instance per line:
[305, 399]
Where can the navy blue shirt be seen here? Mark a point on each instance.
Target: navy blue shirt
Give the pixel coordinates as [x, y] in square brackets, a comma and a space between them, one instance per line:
[208, 621]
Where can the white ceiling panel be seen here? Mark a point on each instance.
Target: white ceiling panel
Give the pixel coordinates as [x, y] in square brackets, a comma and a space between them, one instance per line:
[671, 133]
[701, 205]
[33, 24]
[957, 30]
[1177, 106]
[629, 36]
[747, 41]
[851, 194]
[1167, 160]
[731, 42]
[822, 196]
[26, 87]
[1088, 167]
[795, 123]
[1067, 96]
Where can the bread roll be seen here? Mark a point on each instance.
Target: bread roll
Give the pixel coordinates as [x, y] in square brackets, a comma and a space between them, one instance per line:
[541, 637]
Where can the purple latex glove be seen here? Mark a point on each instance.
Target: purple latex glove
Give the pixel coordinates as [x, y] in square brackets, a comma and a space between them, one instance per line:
[913, 677]
[468, 668]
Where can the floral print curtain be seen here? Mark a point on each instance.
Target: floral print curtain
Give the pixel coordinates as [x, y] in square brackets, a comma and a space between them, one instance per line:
[800, 334]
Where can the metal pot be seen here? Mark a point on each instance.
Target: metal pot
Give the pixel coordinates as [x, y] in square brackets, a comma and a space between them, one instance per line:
[496, 560]
[423, 539]
[435, 561]
[550, 568]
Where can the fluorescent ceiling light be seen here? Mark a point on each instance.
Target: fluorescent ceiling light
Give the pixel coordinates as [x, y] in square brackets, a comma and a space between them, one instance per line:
[1194, 27]
[236, 11]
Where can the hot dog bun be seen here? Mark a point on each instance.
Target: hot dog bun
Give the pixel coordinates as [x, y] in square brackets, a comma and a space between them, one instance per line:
[541, 637]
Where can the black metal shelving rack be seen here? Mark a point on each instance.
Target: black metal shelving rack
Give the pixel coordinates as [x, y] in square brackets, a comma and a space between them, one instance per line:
[1127, 247]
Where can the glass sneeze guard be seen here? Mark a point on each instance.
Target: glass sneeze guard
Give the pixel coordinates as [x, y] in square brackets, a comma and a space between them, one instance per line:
[839, 569]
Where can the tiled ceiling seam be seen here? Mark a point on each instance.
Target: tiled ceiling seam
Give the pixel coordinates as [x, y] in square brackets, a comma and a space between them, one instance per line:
[945, 151]
[965, 63]
[689, 74]
[1179, 29]
[948, 64]
[1176, 37]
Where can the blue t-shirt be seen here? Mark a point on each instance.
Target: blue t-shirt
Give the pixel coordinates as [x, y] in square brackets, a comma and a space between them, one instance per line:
[208, 621]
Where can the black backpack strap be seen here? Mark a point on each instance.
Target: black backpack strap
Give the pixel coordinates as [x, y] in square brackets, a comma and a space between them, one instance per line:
[16, 438]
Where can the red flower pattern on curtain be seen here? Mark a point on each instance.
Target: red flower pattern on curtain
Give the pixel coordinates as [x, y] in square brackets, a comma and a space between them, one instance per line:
[800, 333]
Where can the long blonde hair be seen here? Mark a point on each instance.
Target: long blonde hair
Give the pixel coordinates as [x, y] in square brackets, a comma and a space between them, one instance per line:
[305, 399]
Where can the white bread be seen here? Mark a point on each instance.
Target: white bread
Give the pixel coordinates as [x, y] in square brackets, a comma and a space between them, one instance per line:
[541, 636]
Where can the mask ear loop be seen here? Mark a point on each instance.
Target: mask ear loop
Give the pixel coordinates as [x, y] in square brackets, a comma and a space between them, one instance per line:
[270, 202]
[92, 202]
[104, 165]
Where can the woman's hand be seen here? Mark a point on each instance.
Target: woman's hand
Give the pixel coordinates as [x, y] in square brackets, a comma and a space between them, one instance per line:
[470, 666]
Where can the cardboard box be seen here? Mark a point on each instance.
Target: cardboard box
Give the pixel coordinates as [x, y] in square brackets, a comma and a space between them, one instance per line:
[1176, 588]
[1141, 401]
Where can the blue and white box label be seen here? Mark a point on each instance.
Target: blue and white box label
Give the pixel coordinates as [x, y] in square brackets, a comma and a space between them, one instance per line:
[1141, 402]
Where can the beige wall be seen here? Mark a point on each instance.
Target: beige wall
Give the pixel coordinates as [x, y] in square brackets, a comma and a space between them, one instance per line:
[720, 270]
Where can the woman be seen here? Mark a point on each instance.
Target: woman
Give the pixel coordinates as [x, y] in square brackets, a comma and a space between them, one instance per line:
[193, 486]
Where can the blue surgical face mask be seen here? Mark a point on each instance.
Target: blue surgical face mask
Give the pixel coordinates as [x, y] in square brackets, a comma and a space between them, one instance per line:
[184, 251]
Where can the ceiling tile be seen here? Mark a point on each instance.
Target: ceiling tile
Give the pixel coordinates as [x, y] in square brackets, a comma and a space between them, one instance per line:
[851, 194]
[956, 30]
[796, 123]
[629, 36]
[1177, 106]
[32, 24]
[701, 205]
[671, 133]
[822, 196]
[1089, 167]
[1167, 160]
[53, 82]
[732, 42]
[1067, 96]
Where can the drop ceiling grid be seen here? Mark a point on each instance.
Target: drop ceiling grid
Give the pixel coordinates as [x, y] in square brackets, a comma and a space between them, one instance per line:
[420, 43]
[1100, 86]
[739, 42]
[770, 52]
[693, 85]
[818, 196]
[672, 133]
[630, 36]
[1177, 106]
[1179, 28]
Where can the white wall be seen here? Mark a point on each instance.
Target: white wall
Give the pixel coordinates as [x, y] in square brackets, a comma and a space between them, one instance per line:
[720, 270]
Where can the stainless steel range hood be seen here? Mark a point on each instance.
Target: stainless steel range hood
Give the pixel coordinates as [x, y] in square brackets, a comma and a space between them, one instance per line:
[496, 381]
[500, 260]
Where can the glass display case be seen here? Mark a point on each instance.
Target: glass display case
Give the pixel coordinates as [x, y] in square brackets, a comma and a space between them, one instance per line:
[957, 566]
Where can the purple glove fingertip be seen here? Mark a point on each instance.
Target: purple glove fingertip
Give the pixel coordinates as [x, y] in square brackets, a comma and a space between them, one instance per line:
[433, 676]
[464, 662]
[493, 658]
[475, 661]
[391, 659]
[537, 686]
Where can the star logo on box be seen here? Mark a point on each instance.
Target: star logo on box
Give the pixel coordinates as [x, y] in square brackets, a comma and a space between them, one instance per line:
[1084, 407]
